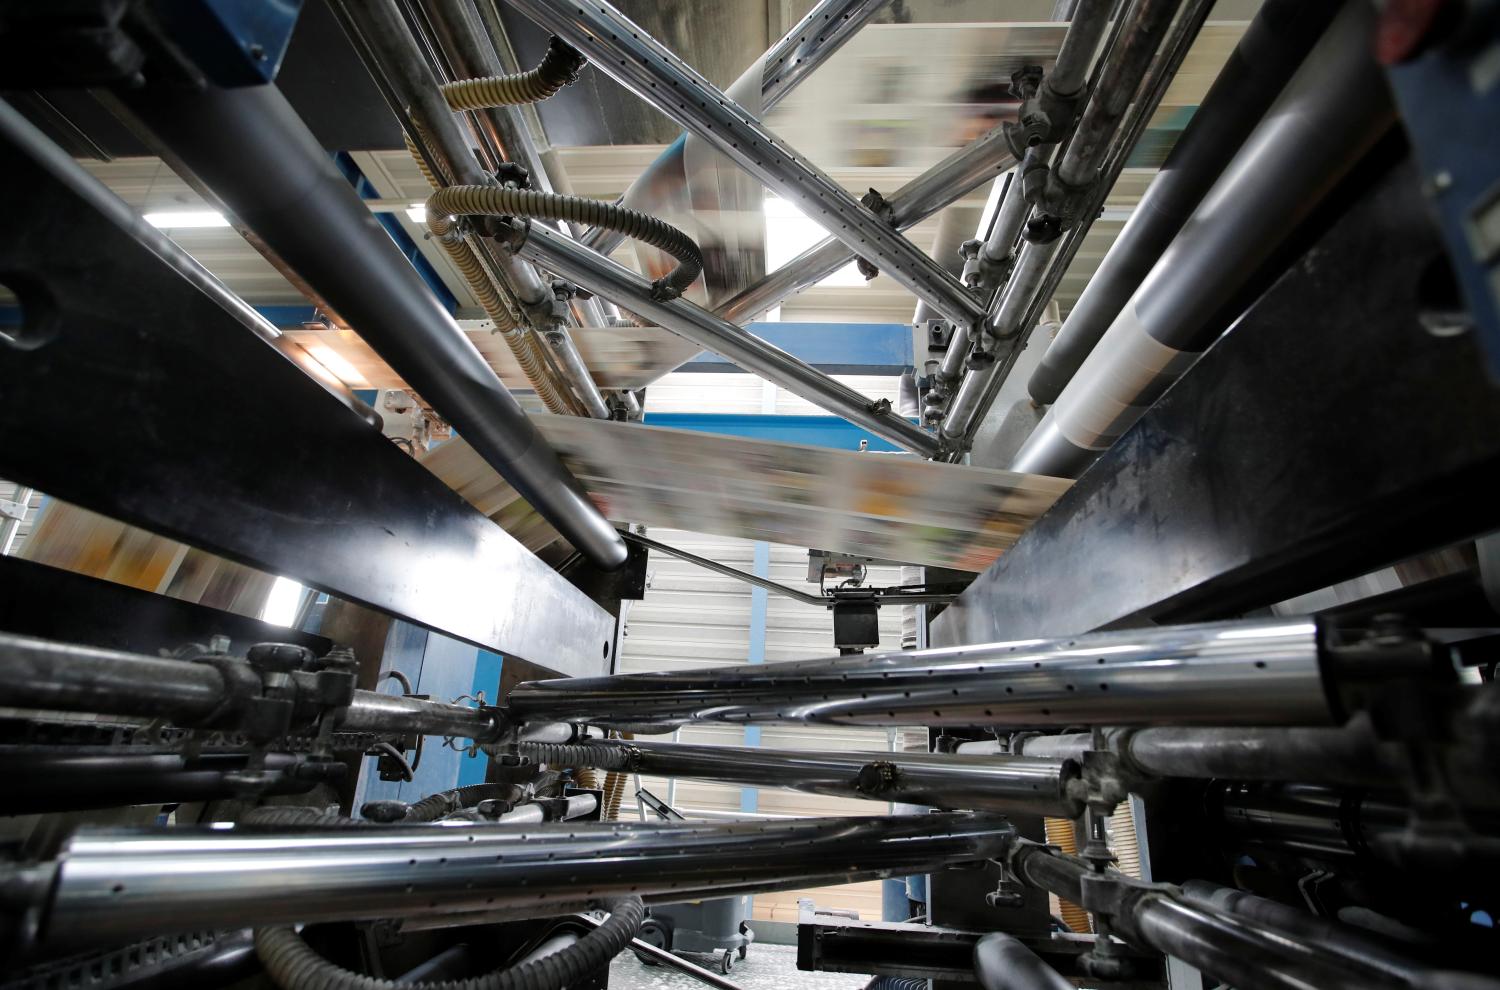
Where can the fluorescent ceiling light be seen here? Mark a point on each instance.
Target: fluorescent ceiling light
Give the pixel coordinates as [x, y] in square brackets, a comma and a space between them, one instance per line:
[417, 213]
[183, 219]
[282, 603]
[789, 232]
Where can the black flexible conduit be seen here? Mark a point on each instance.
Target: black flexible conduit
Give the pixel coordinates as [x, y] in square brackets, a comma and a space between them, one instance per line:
[564, 755]
[434, 806]
[559, 67]
[293, 965]
[503, 201]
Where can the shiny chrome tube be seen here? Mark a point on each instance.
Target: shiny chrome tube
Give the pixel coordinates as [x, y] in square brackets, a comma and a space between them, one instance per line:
[372, 711]
[945, 183]
[578, 373]
[635, 60]
[604, 277]
[974, 783]
[1231, 673]
[113, 884]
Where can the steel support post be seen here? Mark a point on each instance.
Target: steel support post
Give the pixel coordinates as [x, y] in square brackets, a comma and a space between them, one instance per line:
[606, 278]
[638, 62]
[116, 884]
[1238, 673]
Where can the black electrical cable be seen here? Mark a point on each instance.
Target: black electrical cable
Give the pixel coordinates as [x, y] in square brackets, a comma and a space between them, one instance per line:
[293, 965]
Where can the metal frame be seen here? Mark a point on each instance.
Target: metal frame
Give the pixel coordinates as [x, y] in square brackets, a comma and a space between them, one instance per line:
[635, 60]
[129, 350]
[1284, 461]
[602, 276]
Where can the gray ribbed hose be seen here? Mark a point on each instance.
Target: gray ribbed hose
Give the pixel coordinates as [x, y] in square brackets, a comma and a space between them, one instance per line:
[503, 201]
[293, 965]
[558, 68]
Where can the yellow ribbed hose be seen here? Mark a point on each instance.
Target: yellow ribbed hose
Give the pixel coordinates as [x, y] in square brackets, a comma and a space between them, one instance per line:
[559, 66]
[1060, 834]
[523, 345]
[503, 201]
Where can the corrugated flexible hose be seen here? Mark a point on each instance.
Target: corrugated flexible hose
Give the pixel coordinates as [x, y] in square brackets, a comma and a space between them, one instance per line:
[293, 965]
[504, 201]
[559, 756]
[559, 67]
[522, 345]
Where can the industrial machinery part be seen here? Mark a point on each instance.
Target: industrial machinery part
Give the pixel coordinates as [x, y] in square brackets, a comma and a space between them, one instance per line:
[1018, 783]
[1243, 952]
[120, 883]
[277, 689]
[949, 180]
[826, 28]
[1391, 474]
[1124, 77]
[330, 238]
[174, 319]
[501, 201]
[559, 67]
[1261, 672]
[1337, 103]
[611, 280]
[638, 62]
[1003, 962]
[1276, 41]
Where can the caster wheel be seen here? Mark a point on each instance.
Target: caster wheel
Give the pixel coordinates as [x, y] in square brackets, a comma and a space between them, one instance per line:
[744, 951]
[726, 962]
[654, 933]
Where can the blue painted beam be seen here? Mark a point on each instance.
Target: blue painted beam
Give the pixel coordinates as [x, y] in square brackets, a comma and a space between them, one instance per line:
[833, 348]
[813, 431]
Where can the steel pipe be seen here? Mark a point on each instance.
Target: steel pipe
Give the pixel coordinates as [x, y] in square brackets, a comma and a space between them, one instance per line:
[942, 185]
[578, 374]
[827, 27]
[55, 779]
[1276, 41]
[249, 146]
[115, 884]
[635, 60]
[606, 278]
[1237, 673]
[1153, 87]
[372, 711]
[1332, 111]
[1000, 783]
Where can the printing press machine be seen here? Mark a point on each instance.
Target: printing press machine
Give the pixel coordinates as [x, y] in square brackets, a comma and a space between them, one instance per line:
[1284, 376]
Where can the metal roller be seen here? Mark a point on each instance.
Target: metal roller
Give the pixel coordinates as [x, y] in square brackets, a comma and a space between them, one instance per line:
[1237, 673]
[116, 884]
[978, 783]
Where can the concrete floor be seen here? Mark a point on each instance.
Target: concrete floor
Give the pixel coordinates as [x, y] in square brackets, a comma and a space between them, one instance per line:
[768, 967]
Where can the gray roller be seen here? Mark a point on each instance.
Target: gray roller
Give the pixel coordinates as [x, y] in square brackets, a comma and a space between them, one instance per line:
[249, 146]
[1332, 112]
[1272, 47]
